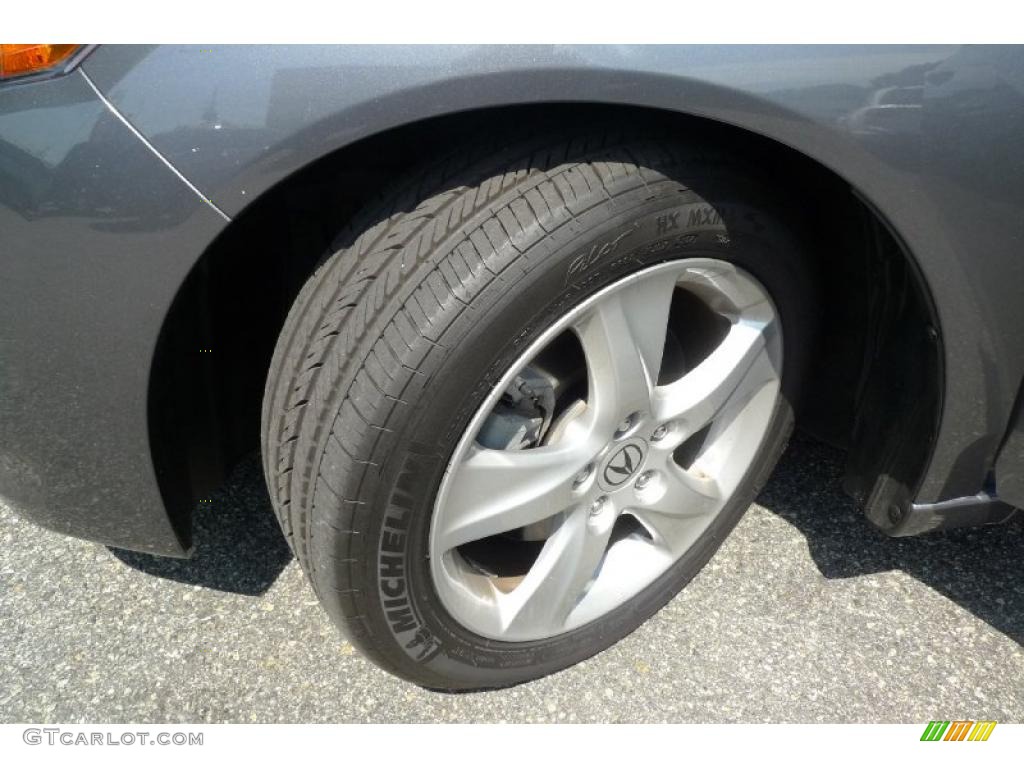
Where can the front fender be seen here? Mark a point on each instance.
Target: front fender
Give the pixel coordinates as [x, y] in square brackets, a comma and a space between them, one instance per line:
[928, 135]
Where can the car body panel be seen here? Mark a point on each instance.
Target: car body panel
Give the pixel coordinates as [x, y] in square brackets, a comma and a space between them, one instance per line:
[1010, 464]
[927, 135]
[93, 228]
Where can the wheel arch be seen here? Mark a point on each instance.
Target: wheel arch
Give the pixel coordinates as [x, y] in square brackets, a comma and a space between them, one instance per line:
[237, 293]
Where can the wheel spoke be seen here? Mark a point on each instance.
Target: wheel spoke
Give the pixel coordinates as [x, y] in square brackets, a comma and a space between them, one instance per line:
[696, 398]
[558, 579]
[494, 491]
[623, 339]
[689, 498]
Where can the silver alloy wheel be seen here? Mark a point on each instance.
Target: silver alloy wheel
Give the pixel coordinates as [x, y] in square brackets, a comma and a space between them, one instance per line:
[615, 456]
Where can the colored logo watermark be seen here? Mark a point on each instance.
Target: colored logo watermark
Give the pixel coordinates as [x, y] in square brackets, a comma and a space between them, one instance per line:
[958, 730]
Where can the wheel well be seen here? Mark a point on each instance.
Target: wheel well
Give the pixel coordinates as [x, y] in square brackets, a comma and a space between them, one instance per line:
[875, 388]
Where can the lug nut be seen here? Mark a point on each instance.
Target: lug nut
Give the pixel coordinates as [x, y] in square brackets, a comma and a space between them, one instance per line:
[626, 425]
[597, 506]
[582, 476]
[660, 432]
[644, 479]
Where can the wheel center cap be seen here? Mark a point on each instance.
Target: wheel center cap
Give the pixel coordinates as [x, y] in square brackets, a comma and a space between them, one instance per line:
[623, 463]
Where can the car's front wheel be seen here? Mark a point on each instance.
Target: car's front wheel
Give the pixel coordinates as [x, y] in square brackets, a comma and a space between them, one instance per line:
[526, 399]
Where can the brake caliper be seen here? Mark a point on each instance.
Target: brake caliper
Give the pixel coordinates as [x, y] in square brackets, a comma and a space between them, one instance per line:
[523, 415]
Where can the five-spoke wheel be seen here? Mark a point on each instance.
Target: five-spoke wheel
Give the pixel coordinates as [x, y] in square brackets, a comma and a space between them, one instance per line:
[532, 393]
[615, 453]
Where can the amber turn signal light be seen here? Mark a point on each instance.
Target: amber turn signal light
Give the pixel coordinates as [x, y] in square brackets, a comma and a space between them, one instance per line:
[18, 59]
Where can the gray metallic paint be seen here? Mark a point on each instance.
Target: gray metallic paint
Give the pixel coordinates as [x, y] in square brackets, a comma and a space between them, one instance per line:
[92, 255]
[928, 135]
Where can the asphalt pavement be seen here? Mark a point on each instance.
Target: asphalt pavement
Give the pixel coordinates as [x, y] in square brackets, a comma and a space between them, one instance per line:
[806, 614]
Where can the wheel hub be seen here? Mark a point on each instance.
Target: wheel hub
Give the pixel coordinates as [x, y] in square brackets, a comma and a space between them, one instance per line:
[622, 465]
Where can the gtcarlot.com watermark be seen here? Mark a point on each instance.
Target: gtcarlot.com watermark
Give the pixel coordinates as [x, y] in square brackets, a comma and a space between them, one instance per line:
[79, 738]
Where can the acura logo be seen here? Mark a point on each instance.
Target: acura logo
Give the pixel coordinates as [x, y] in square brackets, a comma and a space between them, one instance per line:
[623, 464]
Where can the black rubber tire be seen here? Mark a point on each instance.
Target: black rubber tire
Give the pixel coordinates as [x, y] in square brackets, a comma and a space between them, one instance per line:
[399, 335]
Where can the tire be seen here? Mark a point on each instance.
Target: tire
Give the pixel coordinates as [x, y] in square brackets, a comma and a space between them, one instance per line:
[399, 337]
